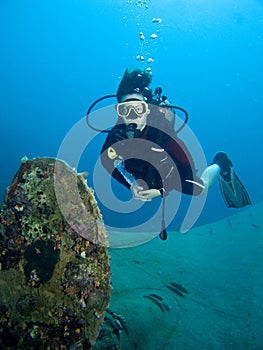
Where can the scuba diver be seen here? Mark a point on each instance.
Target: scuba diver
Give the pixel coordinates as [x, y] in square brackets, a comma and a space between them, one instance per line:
[144, 153]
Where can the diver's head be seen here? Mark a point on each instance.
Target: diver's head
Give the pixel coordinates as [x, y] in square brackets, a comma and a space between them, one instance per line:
[133, 110]
[133, 95]
[134, 86]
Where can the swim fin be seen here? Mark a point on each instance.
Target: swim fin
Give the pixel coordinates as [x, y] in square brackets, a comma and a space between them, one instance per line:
[233, 191]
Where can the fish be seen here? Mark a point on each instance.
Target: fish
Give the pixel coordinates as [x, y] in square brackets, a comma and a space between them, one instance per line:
[175, 290]
[156, 301]
[156, 296]
[166, 306]
[180, 287]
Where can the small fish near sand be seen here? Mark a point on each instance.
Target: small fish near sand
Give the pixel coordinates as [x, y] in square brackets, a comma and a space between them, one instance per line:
[177, 289]
[116, 322]
[159, 301]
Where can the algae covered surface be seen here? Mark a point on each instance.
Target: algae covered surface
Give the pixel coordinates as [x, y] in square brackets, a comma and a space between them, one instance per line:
[55, 279]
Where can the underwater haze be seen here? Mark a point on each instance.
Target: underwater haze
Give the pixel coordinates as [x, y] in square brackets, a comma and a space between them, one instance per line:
[57, 57]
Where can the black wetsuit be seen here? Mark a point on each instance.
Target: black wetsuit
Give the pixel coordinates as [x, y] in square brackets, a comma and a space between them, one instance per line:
[155, 157]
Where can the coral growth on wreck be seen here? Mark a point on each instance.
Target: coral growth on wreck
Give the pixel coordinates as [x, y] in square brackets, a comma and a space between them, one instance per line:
[55, 270]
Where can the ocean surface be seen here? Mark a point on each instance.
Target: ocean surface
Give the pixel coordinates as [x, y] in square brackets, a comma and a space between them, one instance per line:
[58, 57]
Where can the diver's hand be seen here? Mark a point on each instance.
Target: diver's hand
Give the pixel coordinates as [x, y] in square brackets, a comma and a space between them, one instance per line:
[144, 195]
[136, 189]
[148, 195]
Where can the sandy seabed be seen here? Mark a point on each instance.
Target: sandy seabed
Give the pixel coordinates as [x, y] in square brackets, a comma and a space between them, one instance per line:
[220, 269]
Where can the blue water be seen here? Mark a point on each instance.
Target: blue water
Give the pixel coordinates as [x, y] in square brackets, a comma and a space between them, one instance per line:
[57, 57]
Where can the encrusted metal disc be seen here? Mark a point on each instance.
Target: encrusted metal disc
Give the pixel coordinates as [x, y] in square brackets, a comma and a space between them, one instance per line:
[55, 271]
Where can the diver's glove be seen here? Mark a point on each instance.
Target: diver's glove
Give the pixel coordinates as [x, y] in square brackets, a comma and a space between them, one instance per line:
[144, 195]
[169, 113]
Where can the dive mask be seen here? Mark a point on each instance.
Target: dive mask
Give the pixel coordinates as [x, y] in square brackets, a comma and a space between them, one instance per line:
[125, 108]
